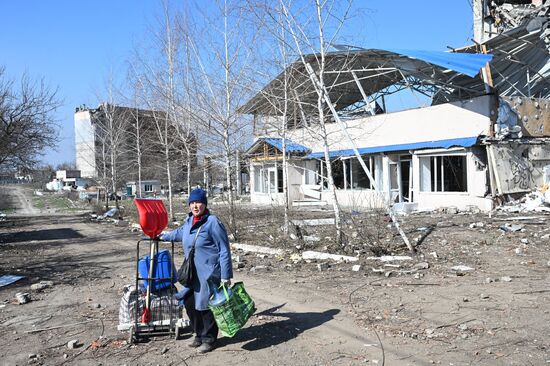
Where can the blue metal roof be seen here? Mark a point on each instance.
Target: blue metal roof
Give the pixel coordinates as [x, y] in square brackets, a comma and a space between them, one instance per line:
[466, 63]
[290, 146]
[445, 144]
[438, 67]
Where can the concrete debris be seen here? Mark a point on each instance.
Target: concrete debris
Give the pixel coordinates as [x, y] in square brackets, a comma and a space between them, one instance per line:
[483, 296]
[313, 222]
[391, 258]
[524, 241]
[476, 225]
[531, 202]
[41, 285]
[257, 249]
[311, 238]
[506, 279]
[22, 297]
[356, 268]
[511, 227]
[309, 254]
[462, 269]
[73, 344]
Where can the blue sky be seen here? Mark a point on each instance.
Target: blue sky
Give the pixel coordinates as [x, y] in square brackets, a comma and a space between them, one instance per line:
[75, 44]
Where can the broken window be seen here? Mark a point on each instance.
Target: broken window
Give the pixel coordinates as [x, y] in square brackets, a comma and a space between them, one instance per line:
[446, 173]
[349, 174]
[280, 180]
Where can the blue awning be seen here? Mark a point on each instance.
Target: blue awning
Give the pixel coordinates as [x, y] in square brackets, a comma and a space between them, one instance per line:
[465, 63]
[290, 146]
[441, 144]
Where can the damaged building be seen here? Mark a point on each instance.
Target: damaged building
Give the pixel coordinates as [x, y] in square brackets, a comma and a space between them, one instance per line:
[482, 137]
[132, 132]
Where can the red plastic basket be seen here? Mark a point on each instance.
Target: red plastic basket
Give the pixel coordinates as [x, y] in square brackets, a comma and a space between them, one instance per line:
[153, 217]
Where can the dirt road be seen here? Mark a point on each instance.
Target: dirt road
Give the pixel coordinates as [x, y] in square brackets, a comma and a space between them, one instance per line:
[89, 263]
[305, 316]
[23, 201]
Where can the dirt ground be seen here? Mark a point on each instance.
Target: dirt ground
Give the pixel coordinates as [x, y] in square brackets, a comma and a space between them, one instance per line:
[413, 311]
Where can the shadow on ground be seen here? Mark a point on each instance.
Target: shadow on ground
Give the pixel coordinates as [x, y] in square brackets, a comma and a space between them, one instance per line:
[276, 332]
[40, 235]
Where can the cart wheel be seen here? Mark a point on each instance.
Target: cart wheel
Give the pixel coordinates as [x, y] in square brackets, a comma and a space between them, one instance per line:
[177, 333]
[131, 336]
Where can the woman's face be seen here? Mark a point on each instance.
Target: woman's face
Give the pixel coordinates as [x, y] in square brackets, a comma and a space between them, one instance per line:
[197, 208]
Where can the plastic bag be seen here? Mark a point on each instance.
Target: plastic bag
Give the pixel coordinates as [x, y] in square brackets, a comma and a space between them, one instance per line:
[233, 314]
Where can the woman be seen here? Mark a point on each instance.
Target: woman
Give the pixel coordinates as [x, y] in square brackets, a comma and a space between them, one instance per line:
[212, 262]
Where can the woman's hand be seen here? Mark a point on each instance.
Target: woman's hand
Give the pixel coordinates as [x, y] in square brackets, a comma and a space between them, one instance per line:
[225, 282]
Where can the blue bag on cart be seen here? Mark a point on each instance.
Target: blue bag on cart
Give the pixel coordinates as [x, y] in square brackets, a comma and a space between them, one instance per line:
[162, 263]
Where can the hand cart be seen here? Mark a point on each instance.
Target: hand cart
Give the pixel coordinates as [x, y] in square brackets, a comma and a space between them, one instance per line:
[159, 314]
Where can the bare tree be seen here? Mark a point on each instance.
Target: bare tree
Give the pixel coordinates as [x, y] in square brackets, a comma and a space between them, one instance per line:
[308, 34]
[158, 78]
[223, 61]
[26, 121]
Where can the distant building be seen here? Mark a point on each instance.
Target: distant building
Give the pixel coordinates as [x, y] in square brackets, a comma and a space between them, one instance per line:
[148, 188]
[67, 180]
[96, 129]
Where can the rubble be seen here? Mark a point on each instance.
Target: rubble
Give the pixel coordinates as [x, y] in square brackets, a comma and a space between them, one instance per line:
[41, 285]
[257, 249]
[532, 202]
[308, 254]
[313, 222]
[22, 298]
[72, 344]
[391, 258]
[511, 227]
[462, 269]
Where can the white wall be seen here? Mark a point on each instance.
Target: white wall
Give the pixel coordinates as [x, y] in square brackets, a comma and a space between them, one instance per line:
[476, 182]
[85, 145]
[441, 122]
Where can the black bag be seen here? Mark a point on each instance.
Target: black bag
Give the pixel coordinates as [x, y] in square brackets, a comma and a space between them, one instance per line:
[187, 272]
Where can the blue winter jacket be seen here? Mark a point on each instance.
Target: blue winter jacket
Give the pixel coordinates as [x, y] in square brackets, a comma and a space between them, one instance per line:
[212, 254]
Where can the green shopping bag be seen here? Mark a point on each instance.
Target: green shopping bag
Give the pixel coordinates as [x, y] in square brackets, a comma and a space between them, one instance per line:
[233, 313]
